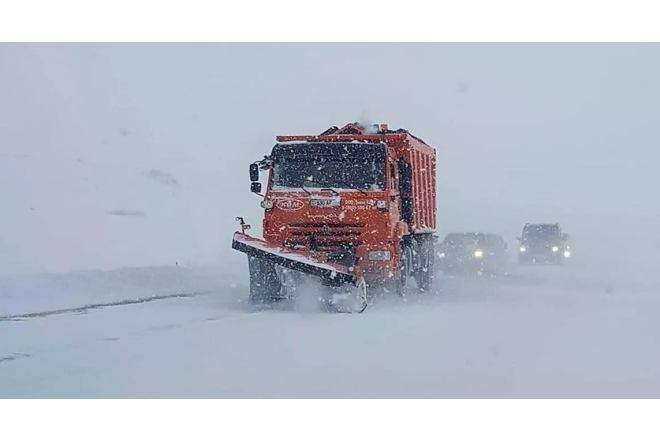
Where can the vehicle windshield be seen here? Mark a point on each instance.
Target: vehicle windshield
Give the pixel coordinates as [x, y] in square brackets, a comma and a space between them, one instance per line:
[464, 239]
[335, 171]
[541, 232]
[494, 239]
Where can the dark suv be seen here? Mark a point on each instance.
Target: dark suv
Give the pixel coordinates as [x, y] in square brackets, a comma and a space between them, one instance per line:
[543, 243]
[469, 252]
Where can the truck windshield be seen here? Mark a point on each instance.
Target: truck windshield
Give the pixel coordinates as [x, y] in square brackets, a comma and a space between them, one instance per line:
[337, 172]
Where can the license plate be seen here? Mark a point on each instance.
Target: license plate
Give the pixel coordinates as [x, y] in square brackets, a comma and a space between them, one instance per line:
[324, 203]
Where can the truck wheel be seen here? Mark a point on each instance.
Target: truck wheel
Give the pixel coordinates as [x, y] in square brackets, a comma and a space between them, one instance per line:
[424, 272]
[265, 285]
[346, 299]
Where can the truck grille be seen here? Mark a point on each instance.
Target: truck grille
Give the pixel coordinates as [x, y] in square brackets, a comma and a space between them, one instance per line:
[325, 236]
[329, 224]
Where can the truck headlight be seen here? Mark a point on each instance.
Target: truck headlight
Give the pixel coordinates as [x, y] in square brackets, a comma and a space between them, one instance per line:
[567, 254]
[523, 249]
[381, 204]
[555, 249]
[478, 254]
[379, 255]
[267, 204]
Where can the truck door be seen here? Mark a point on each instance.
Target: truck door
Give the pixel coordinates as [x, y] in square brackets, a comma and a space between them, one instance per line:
[394, 195]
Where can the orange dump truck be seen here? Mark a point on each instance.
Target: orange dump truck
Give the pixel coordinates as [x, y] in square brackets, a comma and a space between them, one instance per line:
[353, 207]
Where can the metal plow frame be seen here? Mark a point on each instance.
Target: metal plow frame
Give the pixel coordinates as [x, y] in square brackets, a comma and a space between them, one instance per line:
[332, 275]
[337, 276]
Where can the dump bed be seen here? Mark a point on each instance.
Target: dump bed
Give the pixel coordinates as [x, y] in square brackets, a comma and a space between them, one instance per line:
[422, 158]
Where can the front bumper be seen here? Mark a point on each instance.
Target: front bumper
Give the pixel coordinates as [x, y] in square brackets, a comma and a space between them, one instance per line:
[542, 256]
[335, 274]
[465, 263]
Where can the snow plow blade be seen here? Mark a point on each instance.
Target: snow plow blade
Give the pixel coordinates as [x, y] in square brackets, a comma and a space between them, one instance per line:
[332, 274]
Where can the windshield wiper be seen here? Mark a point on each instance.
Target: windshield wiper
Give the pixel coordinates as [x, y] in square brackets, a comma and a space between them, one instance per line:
[302, 185]
[340, 184]
[353, 188]
[327, 187]
[343, 185]
[332, 190]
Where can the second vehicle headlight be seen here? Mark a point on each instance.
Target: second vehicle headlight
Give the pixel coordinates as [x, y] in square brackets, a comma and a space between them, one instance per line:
[555, 249]
[478, 253]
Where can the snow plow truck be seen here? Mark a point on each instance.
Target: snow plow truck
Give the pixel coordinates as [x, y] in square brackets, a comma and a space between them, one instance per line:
[353, 210]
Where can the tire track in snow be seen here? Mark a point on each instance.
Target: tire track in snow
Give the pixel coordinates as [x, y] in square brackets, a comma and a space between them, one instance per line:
[67, 348]
[15, 356]
[93, 306]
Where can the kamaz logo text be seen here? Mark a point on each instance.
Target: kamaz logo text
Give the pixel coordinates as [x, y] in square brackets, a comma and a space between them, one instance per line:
[290, 204]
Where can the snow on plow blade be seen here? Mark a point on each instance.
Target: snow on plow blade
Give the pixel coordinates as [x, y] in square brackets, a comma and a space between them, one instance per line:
[332, 274]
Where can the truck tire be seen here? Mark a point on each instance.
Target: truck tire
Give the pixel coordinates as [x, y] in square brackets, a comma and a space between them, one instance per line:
[265, 284]
[357, 297]
[424, 268]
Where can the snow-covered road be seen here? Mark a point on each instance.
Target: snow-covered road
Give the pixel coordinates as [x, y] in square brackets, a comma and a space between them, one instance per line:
[545, 332]
[133, 156]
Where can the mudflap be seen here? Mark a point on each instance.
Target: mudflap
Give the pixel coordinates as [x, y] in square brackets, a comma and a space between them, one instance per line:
[273, 279]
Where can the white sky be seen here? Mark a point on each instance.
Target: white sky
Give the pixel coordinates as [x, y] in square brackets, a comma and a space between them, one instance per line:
[524, 132]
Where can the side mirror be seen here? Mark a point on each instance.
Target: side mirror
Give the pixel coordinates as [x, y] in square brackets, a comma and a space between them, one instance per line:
[254, 172]
[564, 236]
[518, 238]
[255, 187]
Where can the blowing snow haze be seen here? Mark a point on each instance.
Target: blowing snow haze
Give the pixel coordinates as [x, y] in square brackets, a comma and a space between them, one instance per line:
[123, 167]
[524, 132]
